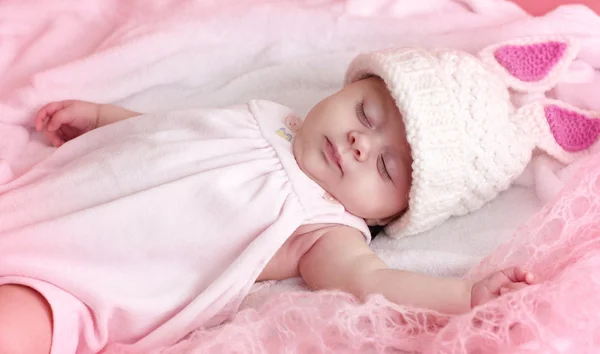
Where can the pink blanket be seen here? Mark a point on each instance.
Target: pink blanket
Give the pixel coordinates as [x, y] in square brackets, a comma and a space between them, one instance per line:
[153, 55]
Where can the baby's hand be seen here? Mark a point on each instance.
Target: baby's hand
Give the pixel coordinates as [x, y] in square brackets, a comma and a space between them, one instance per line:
[499, 283]
[66, 120]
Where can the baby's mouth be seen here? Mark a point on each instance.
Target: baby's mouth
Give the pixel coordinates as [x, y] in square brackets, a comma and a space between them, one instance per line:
[332, 154]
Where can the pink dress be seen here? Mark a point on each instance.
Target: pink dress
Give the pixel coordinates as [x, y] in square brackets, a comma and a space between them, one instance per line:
[144, 230]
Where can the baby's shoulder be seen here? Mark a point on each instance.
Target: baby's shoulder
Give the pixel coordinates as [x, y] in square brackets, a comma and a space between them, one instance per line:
[285, 263]
[307, 235]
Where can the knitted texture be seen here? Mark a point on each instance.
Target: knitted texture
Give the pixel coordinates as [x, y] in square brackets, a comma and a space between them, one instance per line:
[468, 142]
[573, 131]
[560, 130]
[530, 62]
[465, 147]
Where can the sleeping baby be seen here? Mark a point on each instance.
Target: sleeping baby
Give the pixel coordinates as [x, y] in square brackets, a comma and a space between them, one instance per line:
[141, 228]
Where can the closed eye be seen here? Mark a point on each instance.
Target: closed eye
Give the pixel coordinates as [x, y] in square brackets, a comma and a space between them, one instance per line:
[383, 171]
[362, 116]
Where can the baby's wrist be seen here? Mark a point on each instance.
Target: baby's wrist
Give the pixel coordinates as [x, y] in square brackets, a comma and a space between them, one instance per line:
[469, 286]
[101, 108]
[108, 114]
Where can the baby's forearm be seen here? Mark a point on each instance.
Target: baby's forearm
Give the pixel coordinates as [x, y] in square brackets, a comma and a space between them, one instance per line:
[446, 295]
[342, 260]
[108, 114]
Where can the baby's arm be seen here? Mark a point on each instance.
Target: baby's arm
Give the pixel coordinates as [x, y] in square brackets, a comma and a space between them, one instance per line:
[341, 259]
[108, 114]
[66, 120]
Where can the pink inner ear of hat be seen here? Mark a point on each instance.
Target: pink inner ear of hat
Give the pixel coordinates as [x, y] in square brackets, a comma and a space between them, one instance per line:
[573, 131]
[531, 62]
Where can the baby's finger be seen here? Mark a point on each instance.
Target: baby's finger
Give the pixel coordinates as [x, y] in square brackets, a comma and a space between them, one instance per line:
[47, 111]
[495, 281]
[40, 118]
[60, 118]
[510, 287]
[69, 132]
[530, 278]
[61, 133]
[517, 274]
[524, 276]
[55, 140]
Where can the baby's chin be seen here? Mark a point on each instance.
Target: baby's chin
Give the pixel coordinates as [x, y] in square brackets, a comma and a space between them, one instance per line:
[316, 172]
[373, 217]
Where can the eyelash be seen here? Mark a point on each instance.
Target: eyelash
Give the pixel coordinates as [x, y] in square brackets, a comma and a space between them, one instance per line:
[382, 169]
[362, 116]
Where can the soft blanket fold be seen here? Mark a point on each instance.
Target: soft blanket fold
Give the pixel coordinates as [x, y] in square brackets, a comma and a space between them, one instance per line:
[155, 56]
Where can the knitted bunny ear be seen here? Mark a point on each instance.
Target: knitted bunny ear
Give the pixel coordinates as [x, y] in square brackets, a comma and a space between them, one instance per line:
[561, 130]
[531, 64]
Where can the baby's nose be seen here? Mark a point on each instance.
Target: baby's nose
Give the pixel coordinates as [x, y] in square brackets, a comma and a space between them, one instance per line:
[360, 146]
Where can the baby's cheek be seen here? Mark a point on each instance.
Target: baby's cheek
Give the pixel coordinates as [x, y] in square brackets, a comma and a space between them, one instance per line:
[361, 199]
[383, 201]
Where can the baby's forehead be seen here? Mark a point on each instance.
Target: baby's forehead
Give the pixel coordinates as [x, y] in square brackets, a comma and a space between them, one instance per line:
[375, 83]
[374, 90]
[377, 86]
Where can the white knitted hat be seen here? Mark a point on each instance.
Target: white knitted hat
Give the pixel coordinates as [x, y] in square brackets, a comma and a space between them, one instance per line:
[468, 141]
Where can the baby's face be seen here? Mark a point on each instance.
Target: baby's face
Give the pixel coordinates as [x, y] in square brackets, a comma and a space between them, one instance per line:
[353, 144]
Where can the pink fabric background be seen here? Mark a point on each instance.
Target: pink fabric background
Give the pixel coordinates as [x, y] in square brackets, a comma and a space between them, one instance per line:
[536, 7]
[163, 54]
